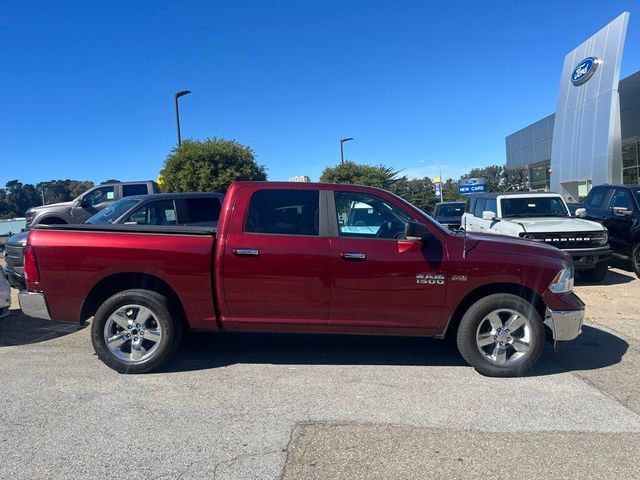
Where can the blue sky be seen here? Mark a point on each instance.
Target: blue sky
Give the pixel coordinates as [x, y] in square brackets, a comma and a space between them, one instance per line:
[88, 86]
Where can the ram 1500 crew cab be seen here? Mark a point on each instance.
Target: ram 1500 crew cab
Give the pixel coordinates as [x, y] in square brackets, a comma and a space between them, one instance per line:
[282, 259]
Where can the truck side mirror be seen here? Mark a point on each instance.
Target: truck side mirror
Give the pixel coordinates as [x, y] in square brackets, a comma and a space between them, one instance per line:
[581, 212]
[488, 215]
[417, 232]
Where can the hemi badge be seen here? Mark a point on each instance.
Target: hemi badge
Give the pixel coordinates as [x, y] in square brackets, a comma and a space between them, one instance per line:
[430, 279]
[458, 278]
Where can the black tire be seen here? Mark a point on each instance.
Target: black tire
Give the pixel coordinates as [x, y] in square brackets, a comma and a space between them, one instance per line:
[476, 317]
[596, 274]
[635, 259]
[168, 328]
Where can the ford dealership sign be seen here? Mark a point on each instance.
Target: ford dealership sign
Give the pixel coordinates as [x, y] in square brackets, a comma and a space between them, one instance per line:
[584, 70]
[472, 185]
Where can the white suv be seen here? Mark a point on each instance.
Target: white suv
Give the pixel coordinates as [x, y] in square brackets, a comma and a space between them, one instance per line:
[541, 217]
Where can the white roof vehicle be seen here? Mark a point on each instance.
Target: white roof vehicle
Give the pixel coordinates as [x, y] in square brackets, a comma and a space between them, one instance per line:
[542, 217]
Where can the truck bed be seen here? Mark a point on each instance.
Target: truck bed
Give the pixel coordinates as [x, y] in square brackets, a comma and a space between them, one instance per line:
[118, 255]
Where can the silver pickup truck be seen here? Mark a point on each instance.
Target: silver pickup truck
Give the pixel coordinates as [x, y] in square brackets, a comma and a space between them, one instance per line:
[87, 204]
[542, 217]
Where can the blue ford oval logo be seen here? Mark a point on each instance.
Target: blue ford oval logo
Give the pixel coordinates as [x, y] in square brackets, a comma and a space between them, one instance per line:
[584, 70]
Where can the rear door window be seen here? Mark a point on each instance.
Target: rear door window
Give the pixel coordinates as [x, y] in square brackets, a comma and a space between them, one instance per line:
[134, 189]
[202, 211]
[284, 212]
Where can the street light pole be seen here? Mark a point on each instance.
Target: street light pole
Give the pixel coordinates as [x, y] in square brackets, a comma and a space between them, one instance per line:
[176, 97]
[439, 173]
[342, 140]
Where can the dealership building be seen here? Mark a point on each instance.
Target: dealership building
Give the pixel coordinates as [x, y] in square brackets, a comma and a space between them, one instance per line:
[594, 135]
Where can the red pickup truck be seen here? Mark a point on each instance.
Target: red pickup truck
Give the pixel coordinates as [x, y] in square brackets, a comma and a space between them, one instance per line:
[290, 257]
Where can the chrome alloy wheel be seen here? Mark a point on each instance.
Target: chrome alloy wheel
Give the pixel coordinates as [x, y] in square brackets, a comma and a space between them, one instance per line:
[504, 336]
[132, 333]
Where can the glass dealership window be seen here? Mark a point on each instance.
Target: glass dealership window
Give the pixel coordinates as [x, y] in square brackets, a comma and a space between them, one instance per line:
[630, 155]
[630, 163]
[539, 177]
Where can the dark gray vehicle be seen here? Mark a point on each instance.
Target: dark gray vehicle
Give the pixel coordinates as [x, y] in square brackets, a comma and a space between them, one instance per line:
[185, 209]
[449, 214]
[87, 204]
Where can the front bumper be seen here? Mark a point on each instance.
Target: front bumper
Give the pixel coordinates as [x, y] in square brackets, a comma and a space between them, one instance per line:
[34, 304]
[565, 325]
[587, 258]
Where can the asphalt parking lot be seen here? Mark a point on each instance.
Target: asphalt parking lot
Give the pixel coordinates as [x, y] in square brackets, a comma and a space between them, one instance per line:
[318, 407]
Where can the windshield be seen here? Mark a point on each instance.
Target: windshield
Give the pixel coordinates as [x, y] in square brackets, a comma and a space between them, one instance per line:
[533, 207]
[449, 210]
[636, 193]
[113, 211]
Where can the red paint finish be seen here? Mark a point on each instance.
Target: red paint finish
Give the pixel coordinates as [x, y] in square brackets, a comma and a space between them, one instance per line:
[300, 283]
[72, 262]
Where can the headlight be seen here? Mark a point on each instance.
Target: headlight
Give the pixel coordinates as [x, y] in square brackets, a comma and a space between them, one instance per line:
[563, 283]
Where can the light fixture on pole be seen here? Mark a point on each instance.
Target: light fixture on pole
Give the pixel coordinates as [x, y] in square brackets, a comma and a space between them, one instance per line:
[342, 140]
[176, 97]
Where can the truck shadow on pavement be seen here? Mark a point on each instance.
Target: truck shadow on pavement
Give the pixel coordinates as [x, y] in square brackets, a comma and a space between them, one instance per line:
[594, 349]
[612, 278]
[18, 329]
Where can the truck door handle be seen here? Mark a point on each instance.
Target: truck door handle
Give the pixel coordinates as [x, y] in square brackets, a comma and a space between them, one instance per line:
[353, 256]
[246, 252]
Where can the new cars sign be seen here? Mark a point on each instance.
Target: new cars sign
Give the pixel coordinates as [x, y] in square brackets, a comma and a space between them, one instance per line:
[472, 185]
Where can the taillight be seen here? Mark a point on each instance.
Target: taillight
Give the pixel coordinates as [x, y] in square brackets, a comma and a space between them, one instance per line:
[31, 271]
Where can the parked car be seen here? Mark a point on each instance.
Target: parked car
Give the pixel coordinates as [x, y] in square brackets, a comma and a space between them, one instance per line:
[5, 295]
[188, 209]
[617, 207]
[449, 214]
[280, 261]
[544, 218]
[195, 209]
[87, 204]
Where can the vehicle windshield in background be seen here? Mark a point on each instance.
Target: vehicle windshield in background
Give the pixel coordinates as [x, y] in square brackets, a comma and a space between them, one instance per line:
[453, 210]
[533, 207]
[113, 211]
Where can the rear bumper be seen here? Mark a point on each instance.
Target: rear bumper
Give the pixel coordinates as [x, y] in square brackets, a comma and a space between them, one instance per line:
[588, 258]
[34, 304]
[15, 277]
[565, 325]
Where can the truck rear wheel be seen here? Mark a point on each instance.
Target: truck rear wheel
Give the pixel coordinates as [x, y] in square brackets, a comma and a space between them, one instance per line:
[133, 331]
[596, 274]
[501, 335]
[635, 259]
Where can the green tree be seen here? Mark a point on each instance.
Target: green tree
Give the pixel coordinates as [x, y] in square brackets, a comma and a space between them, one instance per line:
[211, 165]
[360, 174]
[418, 191]
[20, 197]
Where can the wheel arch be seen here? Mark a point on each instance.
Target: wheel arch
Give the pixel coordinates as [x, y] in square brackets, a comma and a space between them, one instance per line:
[521, 291]
[119, 282]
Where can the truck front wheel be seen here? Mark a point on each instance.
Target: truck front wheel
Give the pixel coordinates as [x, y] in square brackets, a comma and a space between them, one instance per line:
[133, 331]
[596, 274]
[501, 335]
